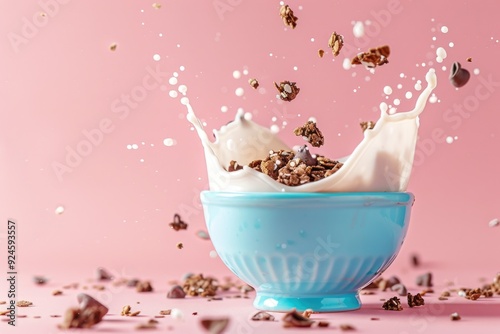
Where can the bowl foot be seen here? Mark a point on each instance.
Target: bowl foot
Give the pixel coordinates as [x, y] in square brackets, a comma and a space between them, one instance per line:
[328, 303]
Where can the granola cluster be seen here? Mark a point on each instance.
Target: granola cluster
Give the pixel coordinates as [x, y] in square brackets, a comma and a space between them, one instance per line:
[293, 168]
[373, 58]
[197, 285]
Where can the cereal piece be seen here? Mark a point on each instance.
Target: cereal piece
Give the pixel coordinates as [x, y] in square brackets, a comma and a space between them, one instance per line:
[416, 300]
[165, 312]
[178, 224]
[254, 83]
[24, 303]
[197, 285]
[176, 292]
[156, 5]
[347, 327]
[474, 296]
[113, 47]
[455, 316]
[80, 318]
[57, 293]
[288, 91]
[127, 311]
[400, 289]
[262, 316]
[233, 166]
[311, 133]
[458, 76]
[336, 42]
[321, 52]
[393, 304]
[179, 245]
[367, 125]
[469, 59]
[40, 280]
[295, 319]
[307, 313]
[214, 325]
[373, 58]
[424, 280]
[144, 286]
[289, 19]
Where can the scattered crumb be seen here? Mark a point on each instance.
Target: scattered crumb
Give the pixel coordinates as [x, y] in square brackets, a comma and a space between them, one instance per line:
[127, 311]
[214, 325]
[347, 327]
[156, 5]
[469, 59]
[254, 83]
[321, 52]
[323, 324]
[262, 316]
[178, 224]
[165, 312]
[455, 316]
[113, 47]
[24, 303]
[180, 245]
[57, 293]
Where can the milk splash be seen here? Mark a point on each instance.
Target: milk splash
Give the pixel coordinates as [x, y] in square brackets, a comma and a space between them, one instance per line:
[381, 162]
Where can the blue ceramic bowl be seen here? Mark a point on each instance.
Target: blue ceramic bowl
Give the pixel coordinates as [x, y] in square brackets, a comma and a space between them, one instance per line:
[307, 250]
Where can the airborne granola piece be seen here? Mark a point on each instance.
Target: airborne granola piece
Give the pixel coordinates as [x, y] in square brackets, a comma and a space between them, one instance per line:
[288, 90]
[254, 83]
[288, 17]
[311, 133]
[367, 125]
[178, 224]
[24, 303]
[374, 57]
[336, 42]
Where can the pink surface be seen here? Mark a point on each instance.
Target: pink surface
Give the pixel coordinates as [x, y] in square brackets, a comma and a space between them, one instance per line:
[60, 84]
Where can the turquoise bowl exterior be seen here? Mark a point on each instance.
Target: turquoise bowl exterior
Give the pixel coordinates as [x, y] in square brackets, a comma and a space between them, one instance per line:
[307, 250]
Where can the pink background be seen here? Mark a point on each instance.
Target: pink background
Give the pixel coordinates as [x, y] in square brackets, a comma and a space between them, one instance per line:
[59, 80]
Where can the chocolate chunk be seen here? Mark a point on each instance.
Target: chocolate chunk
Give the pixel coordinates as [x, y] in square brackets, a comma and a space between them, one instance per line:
[176, 292]
[214, 325]
[458, 76]
[254, 83]
[86, 301]
[400, 289]
[144, 286]
[179, 245]
[103, 274]
[178, 224]
[304, 154]
[424, 280]
[262, 316]
[40, 280]
[295, 319]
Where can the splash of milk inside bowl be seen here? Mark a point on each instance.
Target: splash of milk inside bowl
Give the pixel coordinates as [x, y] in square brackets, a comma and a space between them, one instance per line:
[381, 162]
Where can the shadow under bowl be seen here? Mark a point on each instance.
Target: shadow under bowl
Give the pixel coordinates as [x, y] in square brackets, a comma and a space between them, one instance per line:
[307, 250]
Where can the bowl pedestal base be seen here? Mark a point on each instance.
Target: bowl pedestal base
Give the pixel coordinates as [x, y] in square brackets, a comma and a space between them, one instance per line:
[321, 303]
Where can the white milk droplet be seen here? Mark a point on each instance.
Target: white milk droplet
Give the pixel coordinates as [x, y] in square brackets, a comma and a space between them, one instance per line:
[401, 75]
[185, 101]
[172, 94]
[59, 210]
[172, 81]
[449, 139]
[224, 108]
[182, 89]
[182, 68]
[247, 115]
[245, 72]
[392, 110]
[408, 95]
[156, 57]
[383, 107]
[213, 254]
[175, 313]
[275, 128]
[399, 86]
[236, 74]
[476, 71]
[295, 68]
[418, 86]
[387, 90]
[397, 102]
[433, 98]
[441, 53]
[312, 119]
[451, 44]
[239, 91]
[175, 74]
[439, 59]
[169, 142]
[135, 146]
[346, 64]
[444, 29]
[358, 29]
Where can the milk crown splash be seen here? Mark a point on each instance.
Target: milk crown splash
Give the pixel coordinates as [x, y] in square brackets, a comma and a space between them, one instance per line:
[381, 162]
